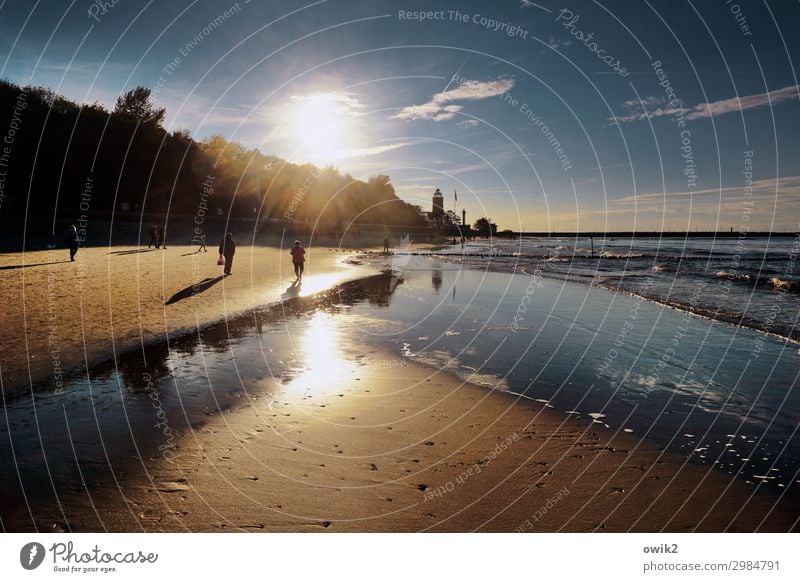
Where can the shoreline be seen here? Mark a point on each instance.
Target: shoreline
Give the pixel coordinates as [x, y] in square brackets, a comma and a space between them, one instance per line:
[677, 306]
[435, 432]
[80, 310]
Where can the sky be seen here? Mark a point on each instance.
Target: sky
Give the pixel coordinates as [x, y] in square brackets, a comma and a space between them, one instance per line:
[543, 116]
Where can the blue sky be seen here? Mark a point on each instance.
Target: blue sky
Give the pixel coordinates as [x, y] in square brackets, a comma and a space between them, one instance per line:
[541, 115]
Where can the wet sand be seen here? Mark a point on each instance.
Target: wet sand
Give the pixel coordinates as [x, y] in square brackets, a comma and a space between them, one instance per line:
[417, 451]
[60, 315]
[358, 441]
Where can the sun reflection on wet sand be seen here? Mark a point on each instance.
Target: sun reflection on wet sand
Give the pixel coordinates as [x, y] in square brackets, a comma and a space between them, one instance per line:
[325, 366]
[312, 284]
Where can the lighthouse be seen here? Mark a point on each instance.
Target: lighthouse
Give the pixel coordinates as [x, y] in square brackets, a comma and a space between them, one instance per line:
[437, 210]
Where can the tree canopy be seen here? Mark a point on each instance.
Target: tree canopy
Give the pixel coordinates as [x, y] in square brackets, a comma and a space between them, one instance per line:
[131, 162]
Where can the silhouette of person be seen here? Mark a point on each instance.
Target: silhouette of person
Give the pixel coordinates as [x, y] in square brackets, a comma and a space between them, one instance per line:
[298, 259]
[202, 248]
[153, 236]
[227, 248]
[72, 241]
[386, 244]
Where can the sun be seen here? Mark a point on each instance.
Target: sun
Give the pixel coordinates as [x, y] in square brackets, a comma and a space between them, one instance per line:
[321, 125]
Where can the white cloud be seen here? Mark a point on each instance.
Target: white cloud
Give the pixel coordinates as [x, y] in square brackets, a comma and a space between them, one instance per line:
[786, 187]
[468, 123]
[654, 107]
[370, 151]
[437, 109]
[747, 102]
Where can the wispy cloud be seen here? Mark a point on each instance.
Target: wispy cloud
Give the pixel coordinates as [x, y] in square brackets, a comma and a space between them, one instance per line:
[747, 102]
[655, 107]
[468, 123]
[371, 151]
[439, 108]
[788, 186]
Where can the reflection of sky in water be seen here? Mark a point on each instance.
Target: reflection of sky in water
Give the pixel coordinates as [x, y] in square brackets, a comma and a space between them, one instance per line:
[712, 400]
[664, 374]
[752, 281]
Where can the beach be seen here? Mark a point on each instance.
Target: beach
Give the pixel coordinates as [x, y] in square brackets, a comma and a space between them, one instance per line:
[255, 407]
[61, 315]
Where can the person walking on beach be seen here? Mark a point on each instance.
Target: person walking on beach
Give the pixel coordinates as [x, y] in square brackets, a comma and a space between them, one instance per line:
[298, 259]
[386, 245]
[227, 248]
[202, 248]
[153, 236]
[72, 241]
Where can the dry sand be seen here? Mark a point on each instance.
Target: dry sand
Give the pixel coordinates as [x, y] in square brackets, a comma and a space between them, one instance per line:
[382, 445]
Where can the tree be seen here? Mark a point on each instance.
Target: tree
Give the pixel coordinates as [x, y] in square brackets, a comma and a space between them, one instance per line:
[482, 226]
[137, 106]
[452, 217]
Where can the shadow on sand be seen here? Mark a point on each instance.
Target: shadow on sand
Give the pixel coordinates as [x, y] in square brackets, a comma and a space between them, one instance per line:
[195, 289]
[133, 252]
[31, 266]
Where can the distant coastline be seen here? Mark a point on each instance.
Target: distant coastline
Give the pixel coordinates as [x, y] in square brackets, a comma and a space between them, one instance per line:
[653, 234]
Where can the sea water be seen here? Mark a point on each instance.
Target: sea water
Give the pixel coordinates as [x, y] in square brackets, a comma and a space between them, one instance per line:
[753, 281]
[719, 393]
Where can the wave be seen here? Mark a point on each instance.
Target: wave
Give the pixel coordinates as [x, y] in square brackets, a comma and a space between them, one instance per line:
[784, 285]
[661, 268]
[618, 255]
[733, 276]
[774, 282]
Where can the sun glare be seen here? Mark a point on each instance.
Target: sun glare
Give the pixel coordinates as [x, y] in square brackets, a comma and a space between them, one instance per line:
[321, 126]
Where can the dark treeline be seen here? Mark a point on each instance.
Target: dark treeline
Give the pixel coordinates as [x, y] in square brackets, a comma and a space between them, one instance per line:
[58, 155]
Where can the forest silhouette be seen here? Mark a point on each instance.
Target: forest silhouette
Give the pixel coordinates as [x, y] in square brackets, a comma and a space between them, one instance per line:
[82, 159]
